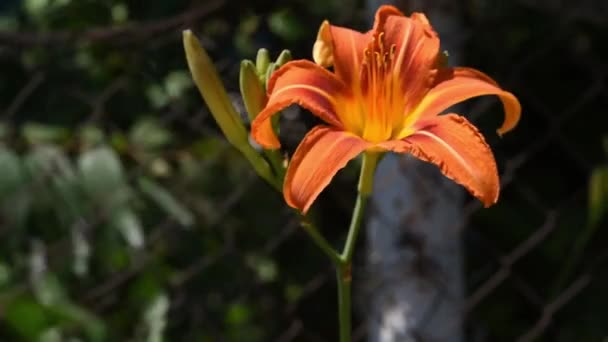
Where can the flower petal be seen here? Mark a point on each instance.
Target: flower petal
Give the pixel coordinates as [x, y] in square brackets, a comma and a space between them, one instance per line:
[383, 13]
[456, 146]
[460, 84]
[416, 50]
[304, 83]
[342, 48]
[322, 152]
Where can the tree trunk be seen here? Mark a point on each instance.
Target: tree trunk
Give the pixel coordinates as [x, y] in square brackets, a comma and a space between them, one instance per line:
[413, 280]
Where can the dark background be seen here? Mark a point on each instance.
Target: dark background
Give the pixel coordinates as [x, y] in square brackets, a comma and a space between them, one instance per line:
[124, 214]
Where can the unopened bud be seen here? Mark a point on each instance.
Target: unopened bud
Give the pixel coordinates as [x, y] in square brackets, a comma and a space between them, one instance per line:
[262, 61]
[322, 51]
[283, 58]
[252, 89]
[271, 68]
[210, 86]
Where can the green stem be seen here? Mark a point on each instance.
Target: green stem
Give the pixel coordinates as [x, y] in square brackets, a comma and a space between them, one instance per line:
[366, 181]
[261, 167]
[344, 268]
[320, 241]
[343, 275]
[276, 162]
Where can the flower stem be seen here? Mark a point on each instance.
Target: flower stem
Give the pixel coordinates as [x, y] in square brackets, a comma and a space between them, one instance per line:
[344, 267]
[343, 275]
[320, 241]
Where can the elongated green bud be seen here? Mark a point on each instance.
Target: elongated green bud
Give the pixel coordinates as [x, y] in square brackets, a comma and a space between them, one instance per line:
[252, 89]
[262, 60]
[271, 68]
[283, 58]
[210, 86]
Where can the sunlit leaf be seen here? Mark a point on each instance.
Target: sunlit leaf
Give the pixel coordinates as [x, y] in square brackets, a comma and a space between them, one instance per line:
[82, 252]
[91, 136]
[155, 318]
[103, 177]
[157, 96]
[129, 225]
[35, 133]
[149, 133]
[177, 82]
[265, 268]
[120, 13]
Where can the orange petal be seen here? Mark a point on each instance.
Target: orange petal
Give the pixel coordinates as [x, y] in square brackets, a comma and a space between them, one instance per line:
[460, 84]
[342, 48]
[304, 83]
[322, 152]
[456, 146]
[383, 13]
[415, 56]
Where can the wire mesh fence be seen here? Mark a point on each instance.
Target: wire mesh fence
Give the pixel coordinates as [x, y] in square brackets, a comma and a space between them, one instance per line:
[126, 216]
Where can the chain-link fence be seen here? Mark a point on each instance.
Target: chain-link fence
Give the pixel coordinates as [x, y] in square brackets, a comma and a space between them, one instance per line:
[126, 216]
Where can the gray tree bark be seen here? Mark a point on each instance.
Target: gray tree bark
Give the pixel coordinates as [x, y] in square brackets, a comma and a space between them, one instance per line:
[413, 286]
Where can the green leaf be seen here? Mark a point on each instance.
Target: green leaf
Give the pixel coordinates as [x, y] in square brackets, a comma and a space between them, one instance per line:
[69, 312]
[5, 274]
[103, 177]
[166, 201]
[48, 289]
[14, 200]
[155, 318]
[35, 133]
[157, 96]
[238, 314]
[120, 13]
[26, 317]
[82, 253]
[265, 268]
[149, 134]
[598, 195]
[127, 222]
[91, 136]
[53, 180]
[51, 335]
[177, 82]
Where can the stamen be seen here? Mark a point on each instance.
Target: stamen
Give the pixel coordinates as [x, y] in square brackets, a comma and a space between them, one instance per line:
[381, 100]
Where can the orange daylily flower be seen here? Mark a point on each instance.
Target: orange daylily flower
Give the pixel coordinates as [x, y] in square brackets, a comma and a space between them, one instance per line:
[386, 91]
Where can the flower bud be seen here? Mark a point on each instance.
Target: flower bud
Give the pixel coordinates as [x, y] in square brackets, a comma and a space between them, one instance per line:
[271, 68]
[210, 86]
[262, 61]
[283, 58]
[252, 89]
[322, 51]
